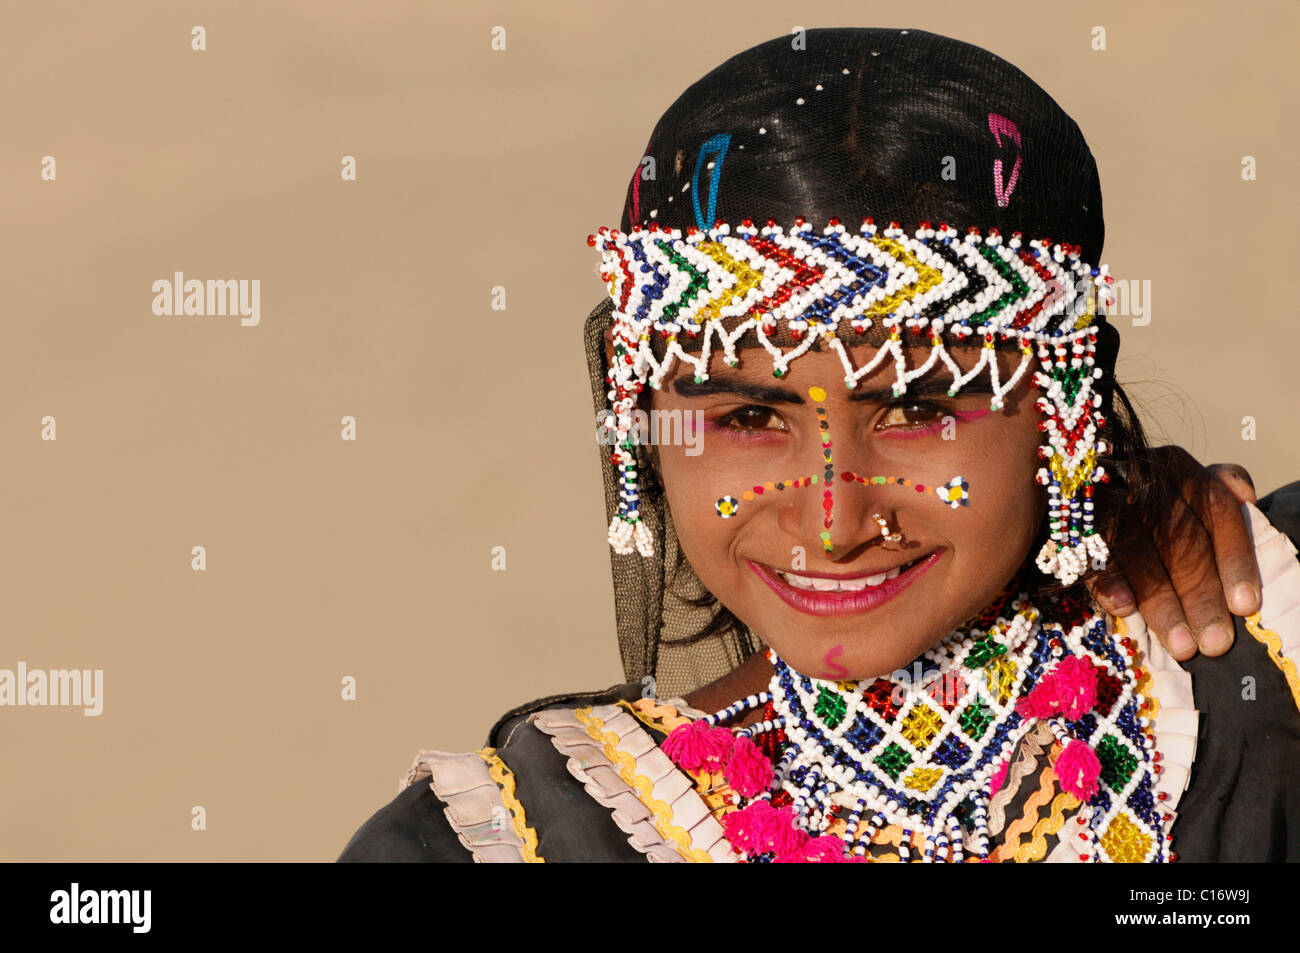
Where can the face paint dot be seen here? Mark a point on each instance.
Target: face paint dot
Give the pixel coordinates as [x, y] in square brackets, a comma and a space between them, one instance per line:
[727, 507]
[747, 495]
[769, 486]
[817, 393]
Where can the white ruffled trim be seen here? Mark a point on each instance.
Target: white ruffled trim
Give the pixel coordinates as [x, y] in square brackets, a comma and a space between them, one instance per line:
[1279, 571]
[472, 803]
[588, 763]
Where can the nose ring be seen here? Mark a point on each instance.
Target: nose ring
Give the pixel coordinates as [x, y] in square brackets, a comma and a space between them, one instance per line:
[894, 537]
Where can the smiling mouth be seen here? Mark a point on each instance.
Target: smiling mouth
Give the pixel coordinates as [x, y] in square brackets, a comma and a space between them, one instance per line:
[844, 583]
[825, 594]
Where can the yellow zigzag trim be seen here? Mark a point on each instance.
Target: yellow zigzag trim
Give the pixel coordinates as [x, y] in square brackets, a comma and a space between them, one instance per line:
[1273, 642]
[500, 772]
[1011, 846]
[625, 764]
[1052, 824]
[662, 718]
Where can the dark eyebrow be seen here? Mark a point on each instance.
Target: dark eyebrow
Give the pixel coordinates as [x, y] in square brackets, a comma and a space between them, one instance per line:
[931, 385]
[762, 393]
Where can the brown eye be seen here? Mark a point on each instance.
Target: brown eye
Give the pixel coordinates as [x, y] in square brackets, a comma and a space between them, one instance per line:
[752, 418]
[911, 414]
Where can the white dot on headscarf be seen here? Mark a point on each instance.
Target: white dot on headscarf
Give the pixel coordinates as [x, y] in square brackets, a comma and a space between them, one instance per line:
[762, 131]
[845, 71]
[799, 101]
[654, 213]
[819, 86]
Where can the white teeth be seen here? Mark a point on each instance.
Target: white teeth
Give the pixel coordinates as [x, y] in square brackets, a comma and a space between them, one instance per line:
[819, 584]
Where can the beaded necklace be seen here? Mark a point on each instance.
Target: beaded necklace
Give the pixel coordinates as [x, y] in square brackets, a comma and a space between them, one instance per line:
[833, 762]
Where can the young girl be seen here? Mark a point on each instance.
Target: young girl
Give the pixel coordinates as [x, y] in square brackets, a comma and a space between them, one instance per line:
[861, 275]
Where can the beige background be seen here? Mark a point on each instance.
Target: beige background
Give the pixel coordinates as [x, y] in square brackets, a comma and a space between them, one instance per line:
[475, 169]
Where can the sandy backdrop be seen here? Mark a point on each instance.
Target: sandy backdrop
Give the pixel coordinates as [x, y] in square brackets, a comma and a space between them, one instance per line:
[370, 558]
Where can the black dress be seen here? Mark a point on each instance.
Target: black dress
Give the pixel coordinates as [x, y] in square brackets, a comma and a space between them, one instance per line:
[542, 790]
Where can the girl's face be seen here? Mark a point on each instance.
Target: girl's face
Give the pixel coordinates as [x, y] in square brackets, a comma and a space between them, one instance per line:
[813, 592]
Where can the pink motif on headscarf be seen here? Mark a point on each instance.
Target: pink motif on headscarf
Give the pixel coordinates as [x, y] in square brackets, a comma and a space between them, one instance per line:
[636, 188]
[999, 124]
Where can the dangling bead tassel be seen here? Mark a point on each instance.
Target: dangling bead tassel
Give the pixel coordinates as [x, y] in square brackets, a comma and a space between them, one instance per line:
[980, 821]
[904, 847]
[620, 536]
[957, 855]
[645, 543]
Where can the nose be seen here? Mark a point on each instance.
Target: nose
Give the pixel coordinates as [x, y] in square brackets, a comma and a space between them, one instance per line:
[843, 515]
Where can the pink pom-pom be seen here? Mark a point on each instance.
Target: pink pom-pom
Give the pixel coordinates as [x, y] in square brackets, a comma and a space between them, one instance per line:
[761, 829]
[1040, 703]
[1069, 689]
[748, 772]
[1075, 681]
[697, 744]
[1078, 769]
[822, 850]
[1000, 778]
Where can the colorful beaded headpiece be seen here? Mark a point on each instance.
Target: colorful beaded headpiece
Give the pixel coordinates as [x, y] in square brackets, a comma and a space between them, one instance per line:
[832, 286]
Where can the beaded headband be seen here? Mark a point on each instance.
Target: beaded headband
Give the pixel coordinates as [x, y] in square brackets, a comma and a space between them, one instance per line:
[831, 285]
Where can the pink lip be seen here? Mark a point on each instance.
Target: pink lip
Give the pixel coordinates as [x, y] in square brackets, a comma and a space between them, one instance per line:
[842, 603]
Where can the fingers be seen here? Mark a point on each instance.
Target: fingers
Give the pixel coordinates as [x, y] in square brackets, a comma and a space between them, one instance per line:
[1156, 599]
[1237, 479]
[1112, 593]
[1218, 507]
[1189, 556]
